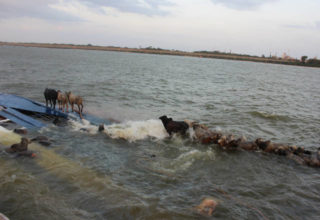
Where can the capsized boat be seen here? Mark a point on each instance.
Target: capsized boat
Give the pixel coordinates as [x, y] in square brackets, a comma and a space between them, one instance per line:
[33, 115]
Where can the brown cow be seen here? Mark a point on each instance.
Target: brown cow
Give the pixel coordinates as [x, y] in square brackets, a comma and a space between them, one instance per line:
[62, 101]
[73, 99]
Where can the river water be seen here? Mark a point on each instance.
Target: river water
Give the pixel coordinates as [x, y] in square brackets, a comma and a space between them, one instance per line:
[134, 170]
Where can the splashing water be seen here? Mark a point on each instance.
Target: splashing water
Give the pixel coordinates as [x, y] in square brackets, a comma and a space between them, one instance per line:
[137, 130]
[130, 130]
[84, 125]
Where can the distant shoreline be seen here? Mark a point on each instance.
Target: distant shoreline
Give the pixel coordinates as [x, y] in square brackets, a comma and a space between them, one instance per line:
[150, 50]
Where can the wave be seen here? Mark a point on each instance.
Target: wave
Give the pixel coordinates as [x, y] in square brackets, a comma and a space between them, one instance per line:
[84, 125]
[172, 167]
[269, 116]
[185, 160]
[137, 130]
[130, 130]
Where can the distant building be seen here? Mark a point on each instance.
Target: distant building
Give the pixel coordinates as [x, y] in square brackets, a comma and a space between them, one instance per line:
[285, 56]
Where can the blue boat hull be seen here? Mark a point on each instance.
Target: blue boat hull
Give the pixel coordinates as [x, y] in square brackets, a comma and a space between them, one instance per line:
[14, 107]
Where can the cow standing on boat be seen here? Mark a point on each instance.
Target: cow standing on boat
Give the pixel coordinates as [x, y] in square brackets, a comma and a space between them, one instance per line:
[51, 95]
[62, 101]
[75, 99]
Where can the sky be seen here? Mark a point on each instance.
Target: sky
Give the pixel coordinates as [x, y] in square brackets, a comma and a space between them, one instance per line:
[254, 27]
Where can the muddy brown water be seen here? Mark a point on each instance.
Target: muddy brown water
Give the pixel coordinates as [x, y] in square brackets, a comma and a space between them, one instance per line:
[133, 170]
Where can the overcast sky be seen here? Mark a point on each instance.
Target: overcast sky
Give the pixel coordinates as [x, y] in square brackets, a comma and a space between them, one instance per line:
[252, 27]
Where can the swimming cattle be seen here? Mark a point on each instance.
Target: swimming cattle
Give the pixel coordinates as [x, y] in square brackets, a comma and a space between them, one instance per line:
[174, 126]
[229, 142]
[21, 149]
[204, 135]
[43, 140]
[206, 207]
[22, 146]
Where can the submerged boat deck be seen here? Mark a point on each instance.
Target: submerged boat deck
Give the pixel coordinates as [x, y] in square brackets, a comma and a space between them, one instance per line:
[31, 114]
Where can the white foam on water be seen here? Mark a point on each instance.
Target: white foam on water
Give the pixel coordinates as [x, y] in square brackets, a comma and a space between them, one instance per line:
[137, 130]
[130, 130]
[185, 160]
[3, 129]
[46, 128]
[7, 137]
[182, 163]
[84, 125]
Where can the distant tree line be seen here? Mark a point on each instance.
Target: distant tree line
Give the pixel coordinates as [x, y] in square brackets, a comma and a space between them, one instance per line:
[217, 52]
[304, 61]
[285, 59]
[310, 62]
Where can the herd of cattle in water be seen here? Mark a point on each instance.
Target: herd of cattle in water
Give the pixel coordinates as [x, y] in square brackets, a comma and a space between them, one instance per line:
[229, 142]
[201, 133]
